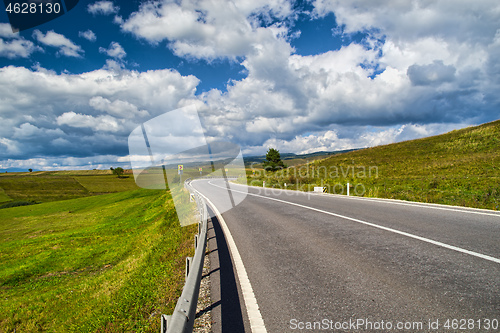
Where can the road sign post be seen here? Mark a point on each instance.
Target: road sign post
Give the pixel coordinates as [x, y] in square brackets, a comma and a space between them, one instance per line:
[180, 168]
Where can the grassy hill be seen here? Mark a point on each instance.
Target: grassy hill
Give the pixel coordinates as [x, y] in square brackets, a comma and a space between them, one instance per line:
[46, 186]
[108, 263]
[292, 159]
[461, 167]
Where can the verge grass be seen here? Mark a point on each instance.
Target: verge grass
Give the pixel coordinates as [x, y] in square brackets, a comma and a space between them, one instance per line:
[109, 263]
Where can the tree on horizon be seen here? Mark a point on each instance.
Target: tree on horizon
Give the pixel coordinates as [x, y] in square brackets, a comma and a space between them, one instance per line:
[273, 160]
[118, 171]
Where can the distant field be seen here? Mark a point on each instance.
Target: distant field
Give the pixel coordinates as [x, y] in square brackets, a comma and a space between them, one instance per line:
[106, 183]
[47, 186]
[457, 168]
[299, 161]
[109, 263]
[81, 172]
[3, 196]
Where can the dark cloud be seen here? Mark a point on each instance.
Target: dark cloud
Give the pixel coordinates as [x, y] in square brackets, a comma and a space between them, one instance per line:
[432, 74]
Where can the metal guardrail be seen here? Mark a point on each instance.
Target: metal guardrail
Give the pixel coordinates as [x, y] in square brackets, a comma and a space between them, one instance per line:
[182, 319]
[217, 177]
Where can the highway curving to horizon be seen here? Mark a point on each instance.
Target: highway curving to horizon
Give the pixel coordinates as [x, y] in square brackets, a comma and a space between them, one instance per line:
[307, 262]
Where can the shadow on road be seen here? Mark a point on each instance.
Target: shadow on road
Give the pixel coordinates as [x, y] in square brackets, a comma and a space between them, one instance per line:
[226, 309]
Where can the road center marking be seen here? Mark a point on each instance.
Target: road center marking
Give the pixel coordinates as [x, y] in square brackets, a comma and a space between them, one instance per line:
[423, 239]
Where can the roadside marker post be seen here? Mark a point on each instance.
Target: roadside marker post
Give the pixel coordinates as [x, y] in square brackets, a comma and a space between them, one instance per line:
[180, 167]
[347, 189]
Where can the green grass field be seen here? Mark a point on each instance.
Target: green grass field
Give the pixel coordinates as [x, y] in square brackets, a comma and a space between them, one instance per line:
[3, 196]
[45, 186]
[107, 263]
[457, 168]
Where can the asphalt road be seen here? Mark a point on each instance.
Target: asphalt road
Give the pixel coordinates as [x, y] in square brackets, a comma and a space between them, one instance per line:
[322, 263]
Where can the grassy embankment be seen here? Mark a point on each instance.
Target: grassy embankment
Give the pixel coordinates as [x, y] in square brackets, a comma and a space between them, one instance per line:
[45, 186]
[461, 167]
[107, 263]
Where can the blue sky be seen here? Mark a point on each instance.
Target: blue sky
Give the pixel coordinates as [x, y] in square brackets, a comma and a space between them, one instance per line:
[300, 76]
[141, 55]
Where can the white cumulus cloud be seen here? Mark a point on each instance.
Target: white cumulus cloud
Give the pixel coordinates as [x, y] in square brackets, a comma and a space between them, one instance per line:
[103, 8]
[12, 45]
[6, 31]
[115, 50]
[117, 108]
[206, 29]
[43, 111]
[422, 63]
[100, 123]
[17, 48]
[88, 35]
[66, 47]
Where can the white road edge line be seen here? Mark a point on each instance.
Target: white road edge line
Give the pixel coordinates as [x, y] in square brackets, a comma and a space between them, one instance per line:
[427, 240]
[418, 204]
[469, 210]
[253, 312]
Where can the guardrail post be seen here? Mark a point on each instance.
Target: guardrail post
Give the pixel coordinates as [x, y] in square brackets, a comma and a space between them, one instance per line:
[189, 261]
[182, 319]
[164, 323]
[195, 242]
